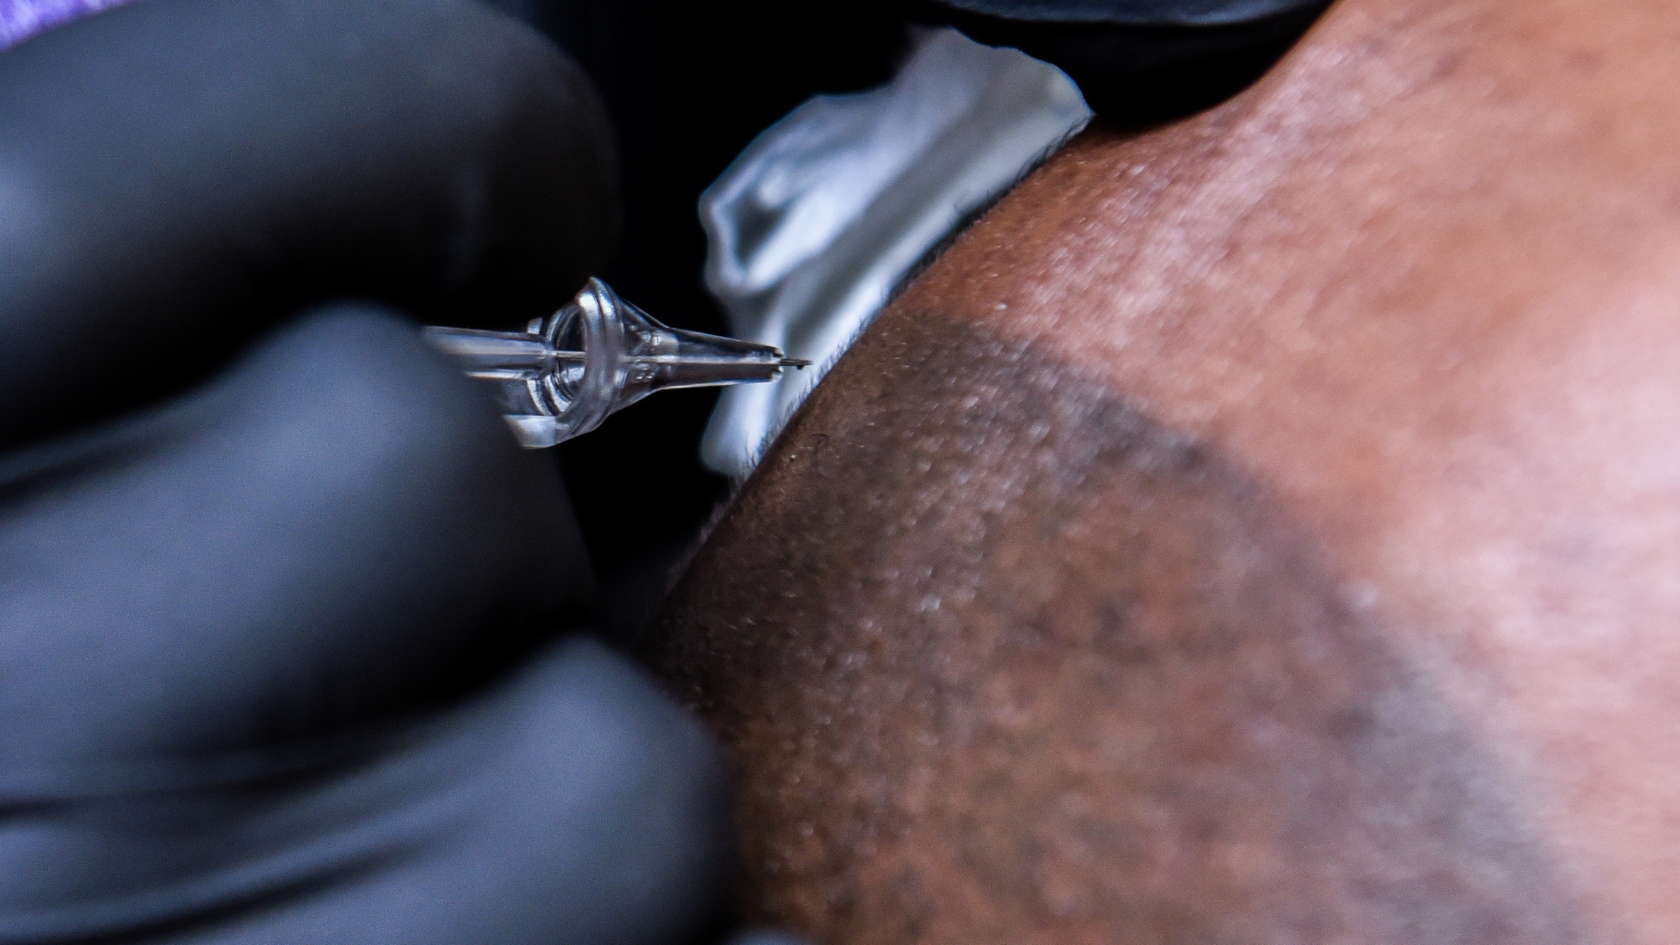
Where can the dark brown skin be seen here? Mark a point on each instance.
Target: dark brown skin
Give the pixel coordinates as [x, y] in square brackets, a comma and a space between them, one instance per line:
[1259, 530]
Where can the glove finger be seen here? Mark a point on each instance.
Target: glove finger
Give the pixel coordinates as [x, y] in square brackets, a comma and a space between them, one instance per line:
[337, 533]
[168, 162]
[573, 804]
[1141, 63]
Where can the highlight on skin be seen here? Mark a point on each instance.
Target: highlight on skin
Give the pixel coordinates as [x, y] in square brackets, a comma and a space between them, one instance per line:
[1257, 528]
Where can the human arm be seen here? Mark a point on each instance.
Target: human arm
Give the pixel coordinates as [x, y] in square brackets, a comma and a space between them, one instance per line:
[1253, 530]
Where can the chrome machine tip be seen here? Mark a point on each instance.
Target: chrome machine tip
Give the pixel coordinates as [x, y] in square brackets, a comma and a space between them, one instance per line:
[565, 374]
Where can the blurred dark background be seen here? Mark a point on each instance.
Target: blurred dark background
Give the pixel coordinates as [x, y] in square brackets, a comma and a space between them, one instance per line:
[688, 86]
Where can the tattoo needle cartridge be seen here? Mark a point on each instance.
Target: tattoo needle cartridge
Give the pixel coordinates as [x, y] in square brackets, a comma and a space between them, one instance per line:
[563, 375]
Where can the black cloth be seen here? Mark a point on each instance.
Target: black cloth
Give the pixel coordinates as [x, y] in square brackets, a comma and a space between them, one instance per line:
[287, 621]
[1141, 61]
[1129, 12]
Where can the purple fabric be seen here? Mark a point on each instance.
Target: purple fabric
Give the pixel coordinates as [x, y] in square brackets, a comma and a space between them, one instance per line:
[21, 19]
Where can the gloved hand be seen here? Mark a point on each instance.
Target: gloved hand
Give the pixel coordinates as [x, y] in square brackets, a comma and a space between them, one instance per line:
[1139, 61]
[281, 603]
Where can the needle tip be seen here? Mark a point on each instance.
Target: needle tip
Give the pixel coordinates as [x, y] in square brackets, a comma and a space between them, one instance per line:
[796, 363]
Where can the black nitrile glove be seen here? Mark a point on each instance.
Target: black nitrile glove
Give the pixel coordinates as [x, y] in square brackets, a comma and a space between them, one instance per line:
[282, 607]
[1139, 61]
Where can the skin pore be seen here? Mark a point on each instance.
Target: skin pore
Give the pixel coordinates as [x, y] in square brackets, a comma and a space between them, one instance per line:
[1259, 529]
[1082, 678]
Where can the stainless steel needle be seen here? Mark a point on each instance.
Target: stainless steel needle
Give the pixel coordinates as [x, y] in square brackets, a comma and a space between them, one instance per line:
[565, 374]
